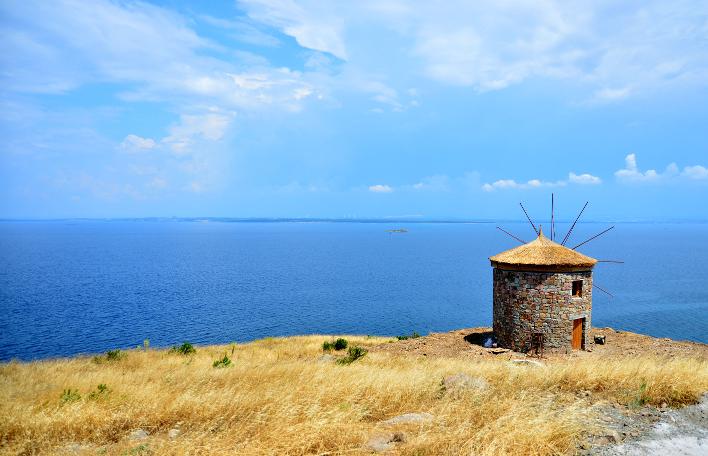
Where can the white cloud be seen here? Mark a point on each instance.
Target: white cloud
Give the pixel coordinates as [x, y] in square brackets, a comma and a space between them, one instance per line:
[606, 95]
[632, 173]
[613, 52]
[314, 25]
[380, 188]
[505, 184]
[586, 179]
[210, 126]
[60, 46]
[695, 172]
[134, 143]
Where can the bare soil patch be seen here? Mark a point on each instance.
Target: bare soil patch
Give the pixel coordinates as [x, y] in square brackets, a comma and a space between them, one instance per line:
[467, 343]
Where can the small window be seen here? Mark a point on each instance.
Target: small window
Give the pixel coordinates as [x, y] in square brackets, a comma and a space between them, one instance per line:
[577, 288]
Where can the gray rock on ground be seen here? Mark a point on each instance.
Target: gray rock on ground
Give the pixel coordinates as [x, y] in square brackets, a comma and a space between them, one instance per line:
[385, 442]
[173, 433]
[326, 358]
[138, 434]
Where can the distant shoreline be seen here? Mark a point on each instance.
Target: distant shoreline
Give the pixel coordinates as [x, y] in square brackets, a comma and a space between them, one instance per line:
[332, 220]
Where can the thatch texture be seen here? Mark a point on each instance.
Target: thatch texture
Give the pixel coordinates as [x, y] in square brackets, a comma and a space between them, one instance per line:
[543, 253]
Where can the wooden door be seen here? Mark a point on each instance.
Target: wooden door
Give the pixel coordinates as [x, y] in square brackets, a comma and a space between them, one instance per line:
[578, 334]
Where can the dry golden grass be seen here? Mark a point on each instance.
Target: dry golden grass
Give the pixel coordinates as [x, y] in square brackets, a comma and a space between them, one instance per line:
[279, 398]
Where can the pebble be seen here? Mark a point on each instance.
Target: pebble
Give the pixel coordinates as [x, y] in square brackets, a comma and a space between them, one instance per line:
[138, 434]
[173, 433]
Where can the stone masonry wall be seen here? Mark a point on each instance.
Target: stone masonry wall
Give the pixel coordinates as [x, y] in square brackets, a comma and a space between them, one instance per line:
[540, 302]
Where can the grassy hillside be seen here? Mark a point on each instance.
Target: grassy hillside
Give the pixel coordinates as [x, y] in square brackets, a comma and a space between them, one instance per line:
[279, 396]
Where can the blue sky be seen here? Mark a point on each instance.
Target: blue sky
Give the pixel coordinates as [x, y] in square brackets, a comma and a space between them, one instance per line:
[353, 109]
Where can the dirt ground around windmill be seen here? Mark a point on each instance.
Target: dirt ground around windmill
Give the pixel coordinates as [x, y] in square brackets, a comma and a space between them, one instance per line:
[466, 343]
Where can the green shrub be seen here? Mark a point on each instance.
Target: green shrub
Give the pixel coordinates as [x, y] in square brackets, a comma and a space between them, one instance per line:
[146, 344]
[340, 344]
[143, 448]
[223, 362]
[642, 397]
[414, 335]
[101, 391]
[114, 355]
[69, 395]
[185, 349]
[110, 355]
[353, 354]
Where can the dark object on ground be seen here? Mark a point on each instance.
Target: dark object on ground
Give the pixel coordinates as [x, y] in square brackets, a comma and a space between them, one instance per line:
[599, 340]
[485, 339]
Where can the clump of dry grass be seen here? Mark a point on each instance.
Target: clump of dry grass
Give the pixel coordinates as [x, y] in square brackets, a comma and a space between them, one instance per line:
[279, 397]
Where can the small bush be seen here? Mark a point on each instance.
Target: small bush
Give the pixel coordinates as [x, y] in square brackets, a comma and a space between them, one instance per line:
[353, 354]
[146, 344]
[69, 395]
[223, 362]
[101, 391]
[114, 355]
[642, 396]
[340, 344]
[110, 355]
[143, 448]
[414, 335]
[185, 349]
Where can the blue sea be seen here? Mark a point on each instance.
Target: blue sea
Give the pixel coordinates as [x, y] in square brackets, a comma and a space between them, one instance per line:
[70, 287]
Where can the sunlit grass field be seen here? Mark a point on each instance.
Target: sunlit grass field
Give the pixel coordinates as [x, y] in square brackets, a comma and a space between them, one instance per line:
[280, 396]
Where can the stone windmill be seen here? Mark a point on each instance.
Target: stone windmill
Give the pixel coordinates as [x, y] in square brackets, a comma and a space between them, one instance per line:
[543, 293]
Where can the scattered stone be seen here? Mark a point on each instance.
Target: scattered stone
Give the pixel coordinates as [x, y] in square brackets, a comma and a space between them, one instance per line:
[461, 382]
[326, 358]
[612, 436]
[498, 351]
[173, 433]
[527, 362]
[386, 442]
[379, 444]
[138, 434]
[409, 418]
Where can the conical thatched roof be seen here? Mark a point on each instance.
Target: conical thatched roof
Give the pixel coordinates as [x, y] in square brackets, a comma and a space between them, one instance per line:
[542, 254]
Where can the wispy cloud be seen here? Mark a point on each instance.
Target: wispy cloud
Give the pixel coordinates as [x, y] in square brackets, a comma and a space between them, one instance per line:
[491, 46]
[507, 184]
[134, 143]
[585, 179]
[380, 188]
